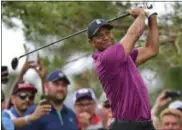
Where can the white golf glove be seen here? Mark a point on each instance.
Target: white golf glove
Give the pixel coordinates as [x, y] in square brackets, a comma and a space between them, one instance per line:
[148, 12]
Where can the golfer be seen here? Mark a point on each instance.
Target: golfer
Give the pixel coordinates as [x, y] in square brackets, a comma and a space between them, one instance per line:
[116, 65]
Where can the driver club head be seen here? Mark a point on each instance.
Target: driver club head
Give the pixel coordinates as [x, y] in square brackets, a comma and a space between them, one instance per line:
[149, 6]
[14, 63]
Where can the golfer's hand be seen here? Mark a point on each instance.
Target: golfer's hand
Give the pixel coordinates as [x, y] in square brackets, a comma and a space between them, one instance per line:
[41, 110]
[84, 119]
[136, 12]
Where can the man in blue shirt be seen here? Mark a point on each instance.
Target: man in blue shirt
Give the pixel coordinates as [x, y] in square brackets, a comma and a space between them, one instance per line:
[6, 123]
[60, 117]
[23, 112]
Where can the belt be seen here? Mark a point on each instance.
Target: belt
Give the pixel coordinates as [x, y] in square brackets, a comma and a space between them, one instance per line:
[145, 122]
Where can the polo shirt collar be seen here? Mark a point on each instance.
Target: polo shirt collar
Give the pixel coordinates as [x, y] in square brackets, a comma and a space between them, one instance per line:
[64, 109]
[13, 110]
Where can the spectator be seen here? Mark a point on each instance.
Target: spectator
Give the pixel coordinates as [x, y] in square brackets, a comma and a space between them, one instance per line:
[161, 103]
[60, 117]
[106, 113]
[176, 105]
[4, 74]
[2, 100]
[85, 108]
[171, 119]
[6, 123]
[22, 98]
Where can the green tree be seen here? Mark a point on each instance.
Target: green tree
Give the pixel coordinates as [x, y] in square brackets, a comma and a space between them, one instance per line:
[46, 22]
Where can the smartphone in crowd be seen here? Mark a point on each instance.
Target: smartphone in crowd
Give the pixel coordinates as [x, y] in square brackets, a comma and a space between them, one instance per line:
[46, 98]
[173, 94]
[4, 74]
[33, 57]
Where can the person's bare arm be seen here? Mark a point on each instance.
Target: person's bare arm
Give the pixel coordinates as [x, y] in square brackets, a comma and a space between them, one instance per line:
[40, 111]
[135, 30]
[151, 47]
[24, 69]
[160, 103]
[41, 71]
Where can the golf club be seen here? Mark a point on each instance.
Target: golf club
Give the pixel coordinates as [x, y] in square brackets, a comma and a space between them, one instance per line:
[14, 62]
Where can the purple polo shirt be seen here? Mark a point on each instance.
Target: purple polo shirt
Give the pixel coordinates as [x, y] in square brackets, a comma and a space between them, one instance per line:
[122, 83]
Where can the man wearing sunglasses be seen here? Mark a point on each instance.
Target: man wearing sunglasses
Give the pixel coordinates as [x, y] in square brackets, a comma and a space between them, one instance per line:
[22, 99]
[85, 108]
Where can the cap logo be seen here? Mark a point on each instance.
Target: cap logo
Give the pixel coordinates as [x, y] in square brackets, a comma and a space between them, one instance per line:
[71, 120]
[61, 75]
[98, 21]
[83, 91]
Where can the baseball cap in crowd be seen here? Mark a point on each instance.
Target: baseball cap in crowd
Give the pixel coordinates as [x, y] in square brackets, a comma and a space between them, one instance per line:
[57, 75]
[176, 104]
[24, 86]
[95, 25]
[84, 93]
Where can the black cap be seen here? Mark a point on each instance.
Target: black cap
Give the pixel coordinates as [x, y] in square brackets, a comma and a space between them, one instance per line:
[95, 25]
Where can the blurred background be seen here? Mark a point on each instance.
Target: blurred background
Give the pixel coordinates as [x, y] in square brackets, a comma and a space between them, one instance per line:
[40, 23]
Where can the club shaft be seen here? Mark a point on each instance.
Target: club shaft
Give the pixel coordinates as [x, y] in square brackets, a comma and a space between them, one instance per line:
[71, 35]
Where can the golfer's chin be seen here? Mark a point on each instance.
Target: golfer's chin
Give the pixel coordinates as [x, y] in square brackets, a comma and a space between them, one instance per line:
[106, 45]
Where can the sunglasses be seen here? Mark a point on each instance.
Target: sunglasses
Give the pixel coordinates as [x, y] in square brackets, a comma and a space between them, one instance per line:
[107, 106]
[24, 96]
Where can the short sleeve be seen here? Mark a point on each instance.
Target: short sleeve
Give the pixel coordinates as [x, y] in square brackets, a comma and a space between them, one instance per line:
[7, 123]
[5, 114]
[114, 54]
[134, 54]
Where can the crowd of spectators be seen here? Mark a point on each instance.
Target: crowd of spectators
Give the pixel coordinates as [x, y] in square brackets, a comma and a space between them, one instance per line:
[20, 112]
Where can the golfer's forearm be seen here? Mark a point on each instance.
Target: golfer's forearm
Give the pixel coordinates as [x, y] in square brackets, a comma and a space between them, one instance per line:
[137, 28]
[153, 35]
[133, 33]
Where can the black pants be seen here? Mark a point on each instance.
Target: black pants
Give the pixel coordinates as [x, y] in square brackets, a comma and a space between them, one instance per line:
[131, 125]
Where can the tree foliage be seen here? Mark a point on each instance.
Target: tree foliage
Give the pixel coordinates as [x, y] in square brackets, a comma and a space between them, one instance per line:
[46, 22]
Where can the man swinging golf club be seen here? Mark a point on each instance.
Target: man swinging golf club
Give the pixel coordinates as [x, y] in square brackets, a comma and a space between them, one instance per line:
[116, 66]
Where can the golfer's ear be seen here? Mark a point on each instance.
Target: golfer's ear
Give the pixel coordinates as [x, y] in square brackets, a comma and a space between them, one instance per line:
[90, 41]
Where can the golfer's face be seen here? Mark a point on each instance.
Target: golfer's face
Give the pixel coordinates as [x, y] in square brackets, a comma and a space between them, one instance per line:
[103, 39]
